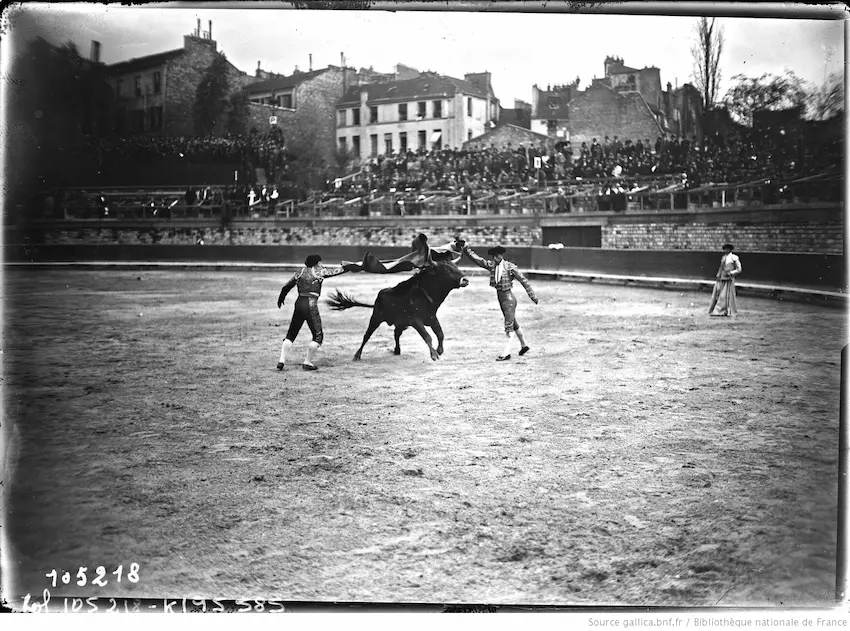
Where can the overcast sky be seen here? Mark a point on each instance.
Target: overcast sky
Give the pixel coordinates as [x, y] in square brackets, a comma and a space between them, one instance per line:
[519, 49]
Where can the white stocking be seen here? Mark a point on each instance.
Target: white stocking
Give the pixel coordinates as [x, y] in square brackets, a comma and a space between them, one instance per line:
[312, 347]
[284, 350]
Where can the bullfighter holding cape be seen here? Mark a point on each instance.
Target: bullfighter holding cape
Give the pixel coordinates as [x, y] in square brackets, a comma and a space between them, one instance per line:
[420, 255]
[309, 280]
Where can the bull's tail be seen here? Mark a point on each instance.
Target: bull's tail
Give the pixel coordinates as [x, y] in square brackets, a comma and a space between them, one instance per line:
[340, 301]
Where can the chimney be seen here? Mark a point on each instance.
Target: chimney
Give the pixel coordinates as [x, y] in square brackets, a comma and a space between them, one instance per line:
[209, 32]
[198, 30]
[311, 62]
[95, 51]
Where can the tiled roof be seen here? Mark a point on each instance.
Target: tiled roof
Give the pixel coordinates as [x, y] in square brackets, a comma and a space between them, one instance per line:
[424, 86]
[282, 83]
[142, 63]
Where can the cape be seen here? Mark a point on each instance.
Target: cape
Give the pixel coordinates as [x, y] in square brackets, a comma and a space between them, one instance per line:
[421, 254]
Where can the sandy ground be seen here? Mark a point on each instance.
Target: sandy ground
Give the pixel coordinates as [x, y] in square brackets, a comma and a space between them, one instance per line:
[641, 454]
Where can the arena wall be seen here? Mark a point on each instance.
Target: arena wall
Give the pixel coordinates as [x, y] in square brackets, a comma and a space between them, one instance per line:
[789, 246]
[821, 271]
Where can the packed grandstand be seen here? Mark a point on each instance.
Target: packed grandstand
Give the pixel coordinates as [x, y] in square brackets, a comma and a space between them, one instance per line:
[606, 175]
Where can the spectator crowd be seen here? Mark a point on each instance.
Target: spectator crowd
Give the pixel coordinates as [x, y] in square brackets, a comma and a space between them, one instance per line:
[741, 158]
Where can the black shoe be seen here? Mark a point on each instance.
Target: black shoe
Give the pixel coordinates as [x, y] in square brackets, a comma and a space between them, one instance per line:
[308, 367]
[280, 365]
[502, 358]
[524, 350]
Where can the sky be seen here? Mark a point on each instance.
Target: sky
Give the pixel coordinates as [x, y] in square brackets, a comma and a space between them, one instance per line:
[518, 49]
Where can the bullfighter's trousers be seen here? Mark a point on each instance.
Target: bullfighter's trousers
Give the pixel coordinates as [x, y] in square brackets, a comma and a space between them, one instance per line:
[507, 301]
[306, 310]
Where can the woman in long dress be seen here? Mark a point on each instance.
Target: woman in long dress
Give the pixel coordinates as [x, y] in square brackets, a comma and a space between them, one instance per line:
[723, 300]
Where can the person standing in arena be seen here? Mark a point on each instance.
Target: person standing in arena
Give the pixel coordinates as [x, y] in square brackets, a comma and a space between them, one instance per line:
[723, 299]
[502, 275]
[309, 282]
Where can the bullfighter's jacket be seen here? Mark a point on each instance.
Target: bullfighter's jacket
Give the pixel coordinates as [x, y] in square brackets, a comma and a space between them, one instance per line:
[309, 281]
[511, 273]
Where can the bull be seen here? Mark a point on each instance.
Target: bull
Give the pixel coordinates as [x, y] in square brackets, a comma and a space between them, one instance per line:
[412, 303]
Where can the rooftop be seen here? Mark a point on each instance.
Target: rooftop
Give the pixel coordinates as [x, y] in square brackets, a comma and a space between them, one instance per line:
[426, 85]
[148, 61]
[282, 83]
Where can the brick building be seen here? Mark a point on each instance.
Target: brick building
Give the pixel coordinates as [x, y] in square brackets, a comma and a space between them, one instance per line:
[155, 94]
[300, 104]
[426, 111]
[627, 102]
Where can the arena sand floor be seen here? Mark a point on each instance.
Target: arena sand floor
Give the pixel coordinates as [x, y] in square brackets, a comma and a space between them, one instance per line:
[641, 454]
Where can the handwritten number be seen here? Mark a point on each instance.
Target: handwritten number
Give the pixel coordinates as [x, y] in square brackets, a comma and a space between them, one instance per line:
[133, 574]
[114, 606]
[98, 580]
[118, 572]
[81, 575]
[53, 574]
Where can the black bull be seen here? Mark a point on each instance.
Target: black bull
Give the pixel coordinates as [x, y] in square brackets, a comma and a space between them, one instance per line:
[413, 302]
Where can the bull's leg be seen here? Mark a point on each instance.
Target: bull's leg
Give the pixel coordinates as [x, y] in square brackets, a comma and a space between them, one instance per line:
[374, 323]
[438, 331]
[420, 328]
[398, 331]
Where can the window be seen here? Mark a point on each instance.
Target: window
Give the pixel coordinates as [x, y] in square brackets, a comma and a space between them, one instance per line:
[554, 102]
[436, 135]
[157, 82]
[551, 127]
[355, 146]
[355, 116]
[469, 135]
[422, 107]
[137, 121]
[373, 114]
[677, 115]
[438, 109]
[402, 142]
[341, 141]
[469, 106]
[119, 88]
[423, 139]
[340, 118]
[388, 143]
[155, 118]
[286, 101]
[402, 111]
[138, 85]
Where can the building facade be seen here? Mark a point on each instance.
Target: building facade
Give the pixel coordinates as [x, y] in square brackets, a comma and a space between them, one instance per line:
[302, 105]
[428, 111]
[155, 94]
[627, 102]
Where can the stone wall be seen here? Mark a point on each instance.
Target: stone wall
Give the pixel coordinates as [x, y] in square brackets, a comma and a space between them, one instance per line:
[319, 234]
[599, 111]
[825, 238]
[182, 77]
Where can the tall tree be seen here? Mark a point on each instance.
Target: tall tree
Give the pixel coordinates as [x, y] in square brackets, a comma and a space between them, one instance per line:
[706, 53]
[211, 100]
[57, 100]
[827, 100]
[767, 92]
